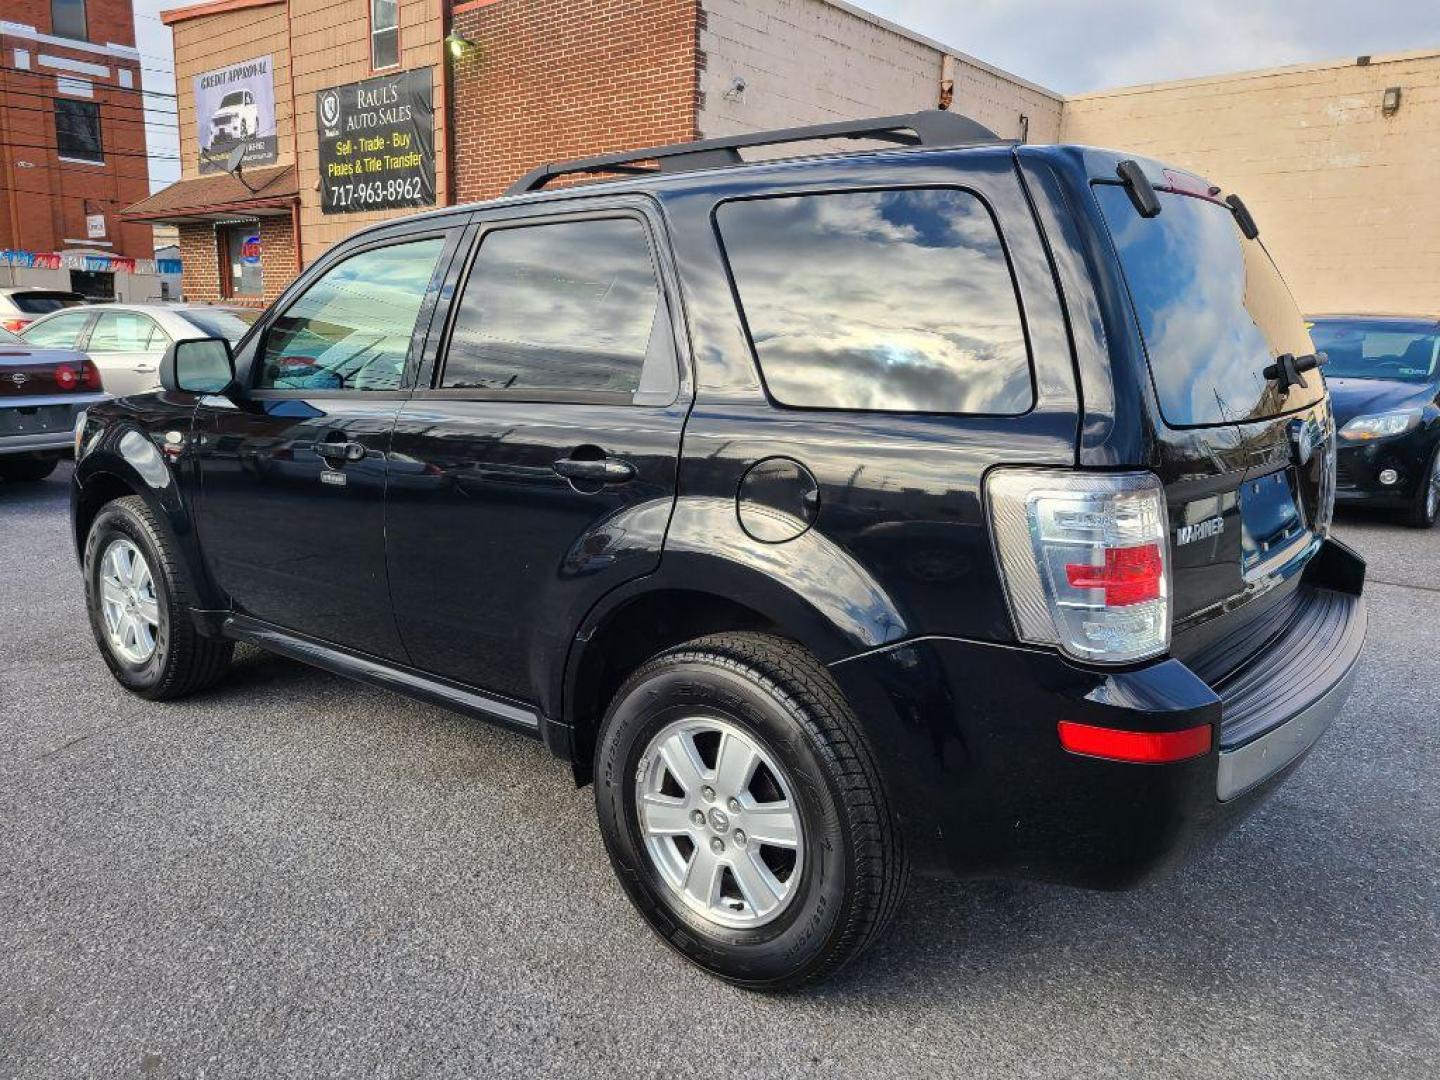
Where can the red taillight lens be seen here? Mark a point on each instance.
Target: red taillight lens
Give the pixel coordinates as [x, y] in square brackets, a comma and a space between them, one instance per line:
[90, 376]
[15, 325]
[1144, 747]
[1131, 575]
[67, 377]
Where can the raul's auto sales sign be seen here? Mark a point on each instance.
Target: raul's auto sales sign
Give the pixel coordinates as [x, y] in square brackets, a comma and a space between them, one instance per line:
[377, 143]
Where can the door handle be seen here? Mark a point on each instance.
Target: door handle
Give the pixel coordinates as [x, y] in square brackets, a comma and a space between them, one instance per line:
[143, 369]
[605, 470]
[340, 451]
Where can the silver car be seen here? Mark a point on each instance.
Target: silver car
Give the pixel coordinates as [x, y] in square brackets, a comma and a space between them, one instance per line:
[126, 341]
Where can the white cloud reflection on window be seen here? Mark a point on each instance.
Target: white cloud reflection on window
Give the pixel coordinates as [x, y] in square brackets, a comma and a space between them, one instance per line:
[889, 300]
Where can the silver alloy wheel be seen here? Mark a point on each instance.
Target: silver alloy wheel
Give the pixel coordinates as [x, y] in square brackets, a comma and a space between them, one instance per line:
[719, 822]
[128, 604]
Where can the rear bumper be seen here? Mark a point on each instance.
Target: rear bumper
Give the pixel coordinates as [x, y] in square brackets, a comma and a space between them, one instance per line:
[967, 739]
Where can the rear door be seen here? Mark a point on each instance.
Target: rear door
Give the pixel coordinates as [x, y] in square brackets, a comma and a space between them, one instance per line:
[1246, 452]
[126, 346]
[537, 470]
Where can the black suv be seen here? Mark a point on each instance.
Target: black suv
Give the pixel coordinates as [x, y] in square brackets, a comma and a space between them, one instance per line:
[955, 506]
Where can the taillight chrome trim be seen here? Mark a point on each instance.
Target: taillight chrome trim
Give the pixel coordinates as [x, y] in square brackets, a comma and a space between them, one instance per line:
[1036, 516]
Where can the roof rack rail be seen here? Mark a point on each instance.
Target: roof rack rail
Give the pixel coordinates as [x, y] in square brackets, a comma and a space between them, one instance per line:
[932, 127]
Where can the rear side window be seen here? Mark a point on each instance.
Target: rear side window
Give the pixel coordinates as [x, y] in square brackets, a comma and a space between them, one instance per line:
[60, 332]
[1213, 310]
[571, 306]
[125, 331]
[896, 301]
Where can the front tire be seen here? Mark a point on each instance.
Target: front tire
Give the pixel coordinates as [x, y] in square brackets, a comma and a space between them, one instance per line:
[738, 732]
[138, 593]
[27, 468]
[1426, 510]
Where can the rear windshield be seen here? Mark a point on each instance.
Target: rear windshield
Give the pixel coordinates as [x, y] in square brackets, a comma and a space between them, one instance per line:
[1388, 349]
[1213, 310]
[42, 303]
[228, 323]
[236, 98]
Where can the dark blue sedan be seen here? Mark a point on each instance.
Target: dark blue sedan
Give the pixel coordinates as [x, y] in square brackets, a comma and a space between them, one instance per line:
[1384, 378]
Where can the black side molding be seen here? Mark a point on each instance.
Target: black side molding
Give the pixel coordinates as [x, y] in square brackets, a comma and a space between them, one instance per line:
[1139, 188]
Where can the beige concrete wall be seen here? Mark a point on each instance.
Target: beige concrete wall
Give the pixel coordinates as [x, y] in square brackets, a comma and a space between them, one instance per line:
[1348, 199]
[812, 61]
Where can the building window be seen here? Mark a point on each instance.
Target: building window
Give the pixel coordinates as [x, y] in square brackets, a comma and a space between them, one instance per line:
[67, 19]
[77, 130]
[384, 33]
[245, 276]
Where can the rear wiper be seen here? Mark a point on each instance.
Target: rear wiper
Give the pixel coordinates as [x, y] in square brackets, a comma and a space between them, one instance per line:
[1289, 370]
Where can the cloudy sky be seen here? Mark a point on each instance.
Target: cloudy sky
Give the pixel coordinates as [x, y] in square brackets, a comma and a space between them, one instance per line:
[1067, 45]
[1077, 45]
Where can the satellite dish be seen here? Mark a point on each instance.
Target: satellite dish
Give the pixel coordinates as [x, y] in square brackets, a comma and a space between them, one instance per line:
[237, 155]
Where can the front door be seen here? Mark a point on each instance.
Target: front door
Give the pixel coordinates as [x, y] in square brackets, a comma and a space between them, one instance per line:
[538, 470]
[293, 468]
[127, 346]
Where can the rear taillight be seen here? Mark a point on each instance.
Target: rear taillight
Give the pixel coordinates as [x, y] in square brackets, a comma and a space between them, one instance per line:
[15, 325]
[90, 376]
[1085, 560]
[67, 376]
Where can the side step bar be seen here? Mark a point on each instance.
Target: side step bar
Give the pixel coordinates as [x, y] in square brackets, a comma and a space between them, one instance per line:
[402, 680]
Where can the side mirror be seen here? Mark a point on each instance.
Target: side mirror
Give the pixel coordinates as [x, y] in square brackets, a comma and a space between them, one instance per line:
[198, 366]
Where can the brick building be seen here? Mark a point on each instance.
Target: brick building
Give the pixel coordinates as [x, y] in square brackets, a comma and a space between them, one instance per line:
[529, 81]
[1338, 179]
[72, 149]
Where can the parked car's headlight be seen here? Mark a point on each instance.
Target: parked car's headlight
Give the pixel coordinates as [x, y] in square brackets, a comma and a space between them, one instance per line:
[1380, 426]
[79, 434]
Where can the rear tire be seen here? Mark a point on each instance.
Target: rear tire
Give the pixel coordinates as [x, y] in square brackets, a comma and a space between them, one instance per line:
[139, 592]
[27, 468]
[1426, 510]
[831, 868]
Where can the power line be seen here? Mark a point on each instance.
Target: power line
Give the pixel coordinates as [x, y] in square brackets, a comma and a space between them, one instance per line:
[105, 115]
[107, 153]
[106, 86]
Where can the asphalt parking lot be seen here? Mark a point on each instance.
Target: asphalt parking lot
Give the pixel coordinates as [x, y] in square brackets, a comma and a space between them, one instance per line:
[294, 875]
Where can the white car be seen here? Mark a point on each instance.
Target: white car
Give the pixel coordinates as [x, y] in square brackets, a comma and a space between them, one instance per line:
[22, 305]
[236, 118]
[126, 341]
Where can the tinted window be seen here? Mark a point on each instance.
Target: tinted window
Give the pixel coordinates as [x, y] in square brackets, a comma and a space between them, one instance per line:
[1213, 310]
[77, 130]
[1392, 349]
[67, 18]
[228, 323]
[351, 329]
[571, 306]
[42, 303]
[125, 331]
[60, 332]
[900, 301]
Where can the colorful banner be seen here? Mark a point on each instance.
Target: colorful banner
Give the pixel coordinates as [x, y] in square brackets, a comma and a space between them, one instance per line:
[113, 264]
